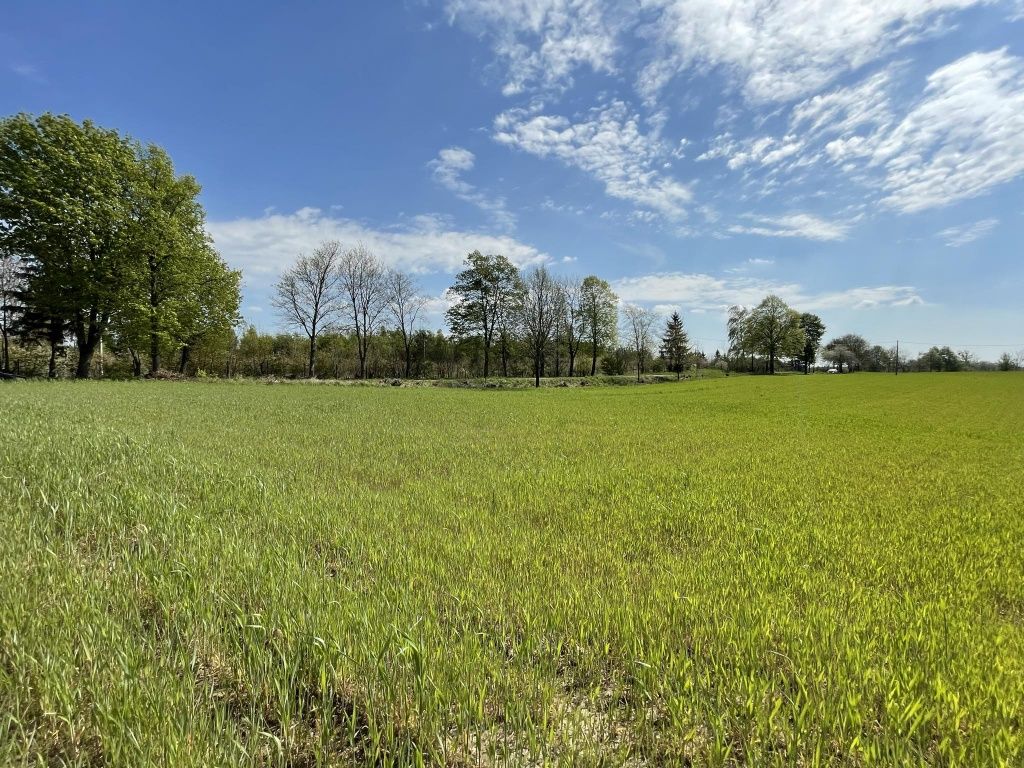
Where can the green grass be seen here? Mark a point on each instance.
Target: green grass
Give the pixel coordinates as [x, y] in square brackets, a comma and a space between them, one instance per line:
[823, 570]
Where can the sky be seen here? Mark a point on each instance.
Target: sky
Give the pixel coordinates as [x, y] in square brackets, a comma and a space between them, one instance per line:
[863, 160]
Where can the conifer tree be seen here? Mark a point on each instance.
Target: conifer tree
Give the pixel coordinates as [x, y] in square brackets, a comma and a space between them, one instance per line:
[675, 345]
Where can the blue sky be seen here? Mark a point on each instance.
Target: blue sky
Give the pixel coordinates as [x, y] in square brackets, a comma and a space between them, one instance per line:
[863, 160]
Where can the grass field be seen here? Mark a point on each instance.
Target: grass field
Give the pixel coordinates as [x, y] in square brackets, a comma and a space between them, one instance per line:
[823, 570]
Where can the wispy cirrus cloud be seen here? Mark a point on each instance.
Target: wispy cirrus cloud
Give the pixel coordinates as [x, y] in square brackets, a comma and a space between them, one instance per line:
[771, 51]
[965, 136]
[541, 43]
[29, 72]
[608, 144]
[777, 52]
[956, 237]
[802, 225]
[962, 136]
[448, 169]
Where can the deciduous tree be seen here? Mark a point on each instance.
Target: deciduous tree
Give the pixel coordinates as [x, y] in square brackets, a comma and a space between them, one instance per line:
[814, 330]
[638, 324]
[365, 291]
[307, 295]
[66, 208]
[773, 329]
[599, 306]
[541, 300]
[405, 304]
[487, 293]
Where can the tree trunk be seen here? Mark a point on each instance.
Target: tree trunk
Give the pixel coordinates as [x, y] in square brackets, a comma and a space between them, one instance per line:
[154, 318]
[51, 371]
[572, 362]
[154, 354]
[487, 358]
[7, 353]
[136, 362]
[536, 371]
[87, 338]
[593, 358]
[311, 367]
[85, 354]
[186, 353]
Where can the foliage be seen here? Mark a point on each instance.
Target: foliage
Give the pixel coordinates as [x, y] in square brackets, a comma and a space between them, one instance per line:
[111, 242]
[600, 316]
[773, 329]
[675, 345]
[488, 294]
[541, 307]
[814, 330]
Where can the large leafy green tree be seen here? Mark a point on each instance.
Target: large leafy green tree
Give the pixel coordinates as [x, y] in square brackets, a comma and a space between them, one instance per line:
[813, 329]
[169, 239]
[111, 241]
[208, 307]
[487, 293]
[599, 306]
[66, 208]
[773, 330]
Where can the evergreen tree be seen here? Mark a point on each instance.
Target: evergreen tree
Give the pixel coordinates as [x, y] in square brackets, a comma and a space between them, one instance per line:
[675, 345]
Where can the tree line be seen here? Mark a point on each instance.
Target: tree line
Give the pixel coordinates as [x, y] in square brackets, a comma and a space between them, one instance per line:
[496, 310]
[102, 242]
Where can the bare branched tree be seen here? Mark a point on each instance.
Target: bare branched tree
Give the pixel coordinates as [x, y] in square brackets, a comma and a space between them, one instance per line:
[405, 305]
[639, 322]
[365, 288]
[307, 295]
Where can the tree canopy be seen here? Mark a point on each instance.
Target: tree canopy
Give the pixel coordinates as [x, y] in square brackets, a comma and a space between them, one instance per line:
[110, 239]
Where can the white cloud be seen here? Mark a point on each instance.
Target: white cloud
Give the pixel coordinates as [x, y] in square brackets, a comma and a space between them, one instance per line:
[965, 136]
[447, 169]
[542, 42]
[707, 292]
[29, 72]
[774, 51]
[804, 225]
[778, 51]
[961, 137]
[968, 233]
[846, 109]
[263, 246]
[610, 146]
